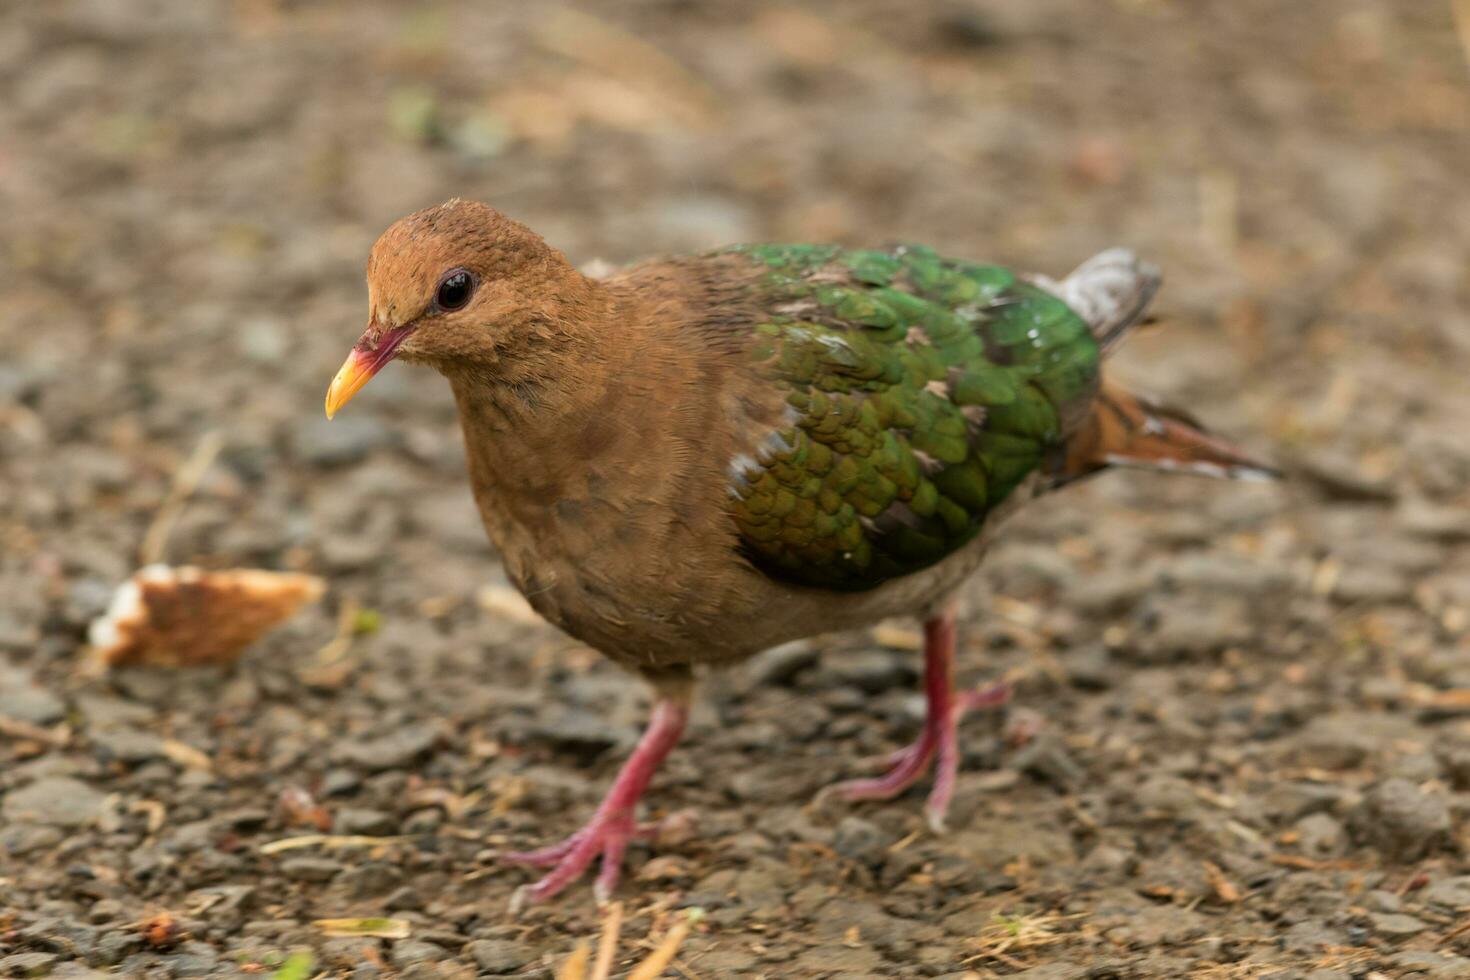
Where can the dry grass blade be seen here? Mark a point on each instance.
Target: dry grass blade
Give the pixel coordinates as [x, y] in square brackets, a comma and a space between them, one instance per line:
[325, 840]
[1303, 863]
[575, 966]
[1008, 934]
[186, 481]
[1454, 933]
[896, 637]
[15, 728]
[607, 946]
[370, 928]
[186, 755]
[663, 953]
[1224, 888]
[336, 648]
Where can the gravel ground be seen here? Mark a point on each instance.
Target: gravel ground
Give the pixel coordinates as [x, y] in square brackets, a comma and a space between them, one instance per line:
[1253, 702]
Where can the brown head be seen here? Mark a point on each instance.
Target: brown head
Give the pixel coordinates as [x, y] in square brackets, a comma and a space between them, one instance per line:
[460, 287]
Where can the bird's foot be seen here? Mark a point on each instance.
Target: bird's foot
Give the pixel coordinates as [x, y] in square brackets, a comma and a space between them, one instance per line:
[612, 827]
[990, 696]
[939, 738]
[605, 835]
[676, 828]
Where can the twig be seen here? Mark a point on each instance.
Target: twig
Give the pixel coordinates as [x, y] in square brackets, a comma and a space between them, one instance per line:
[1454, 933]
[336, 648]
[662, 954]
[186, 481]
[607, 945]
[326, 840]
[373, 927]
[575, 967]
[16, 728]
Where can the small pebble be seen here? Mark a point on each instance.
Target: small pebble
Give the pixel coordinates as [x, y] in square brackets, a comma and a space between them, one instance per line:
[59, 801]
[499, 956]
[1396, 925]
[313, 869]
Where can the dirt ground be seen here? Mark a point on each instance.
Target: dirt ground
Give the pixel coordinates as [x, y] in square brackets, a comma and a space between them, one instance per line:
[1254, 700]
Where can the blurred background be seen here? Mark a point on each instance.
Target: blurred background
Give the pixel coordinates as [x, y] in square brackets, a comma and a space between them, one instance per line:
[188, 193]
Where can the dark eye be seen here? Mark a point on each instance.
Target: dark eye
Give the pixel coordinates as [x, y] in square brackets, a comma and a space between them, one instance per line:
[454, 290]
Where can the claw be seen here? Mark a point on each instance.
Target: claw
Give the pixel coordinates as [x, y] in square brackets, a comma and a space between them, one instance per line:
[939, 739]
[545, 857]
[611, 828]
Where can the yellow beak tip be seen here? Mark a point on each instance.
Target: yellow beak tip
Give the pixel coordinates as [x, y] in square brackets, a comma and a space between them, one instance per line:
[354, 374]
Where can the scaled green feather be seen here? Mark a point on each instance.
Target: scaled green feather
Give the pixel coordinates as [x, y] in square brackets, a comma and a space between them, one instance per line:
[921, 391]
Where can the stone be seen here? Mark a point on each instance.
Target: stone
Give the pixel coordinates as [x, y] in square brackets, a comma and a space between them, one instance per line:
[1402, 820]
[31, 703]
[1372, 584]
[498, 956]
[337, 442]
[113, 947]
[340, 782]
[1289, 801]
[577, 732]
[21, 839]
[371, 878]
[1090, 668]
[28, 964]
[1430, 964]
[371, 823]
[406, 898]
[844, 961]
[873, 671]
[1450, 893]
[392, 751]
[1396, 925]
[860, 840]
[408, 952]
[1339, 477]
[76, 971]
[781, 664]
[1434, 521]
[1047, 759]
[1344, 740]
[313, 869]
[127, 745]
[193, 959]
[58, 800]
[1321, 836]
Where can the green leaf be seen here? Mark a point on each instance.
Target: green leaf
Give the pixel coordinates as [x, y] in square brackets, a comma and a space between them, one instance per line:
[298, 966]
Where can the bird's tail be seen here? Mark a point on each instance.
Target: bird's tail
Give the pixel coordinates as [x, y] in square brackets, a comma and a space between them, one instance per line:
[1111, 291]
[1125, 429]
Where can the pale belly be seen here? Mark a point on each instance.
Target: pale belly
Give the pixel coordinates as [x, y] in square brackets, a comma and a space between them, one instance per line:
[666, 616]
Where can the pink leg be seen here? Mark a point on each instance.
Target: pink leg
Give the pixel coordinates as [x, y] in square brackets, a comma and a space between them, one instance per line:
[941, 723]
[612, 826]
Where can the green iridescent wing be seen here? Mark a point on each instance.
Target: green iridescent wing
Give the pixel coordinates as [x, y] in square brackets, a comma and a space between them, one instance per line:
[921, 392]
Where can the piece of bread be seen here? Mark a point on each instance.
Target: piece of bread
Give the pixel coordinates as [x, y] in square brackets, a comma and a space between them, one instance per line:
[186, 616]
